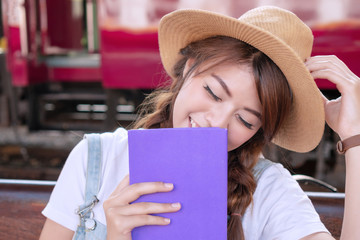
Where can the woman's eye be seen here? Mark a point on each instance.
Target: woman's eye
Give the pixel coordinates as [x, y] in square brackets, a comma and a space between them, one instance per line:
[208, 89]
[248, 125]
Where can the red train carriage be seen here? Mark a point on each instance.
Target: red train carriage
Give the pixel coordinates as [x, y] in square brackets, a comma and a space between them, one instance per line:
[86, 64]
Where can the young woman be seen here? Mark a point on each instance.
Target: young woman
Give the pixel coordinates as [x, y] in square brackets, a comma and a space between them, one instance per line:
[253, 76]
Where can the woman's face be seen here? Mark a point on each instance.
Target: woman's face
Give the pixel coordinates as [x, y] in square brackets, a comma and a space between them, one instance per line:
[224, 96]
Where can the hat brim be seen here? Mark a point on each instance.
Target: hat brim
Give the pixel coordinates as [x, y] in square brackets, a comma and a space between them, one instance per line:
[303, 129]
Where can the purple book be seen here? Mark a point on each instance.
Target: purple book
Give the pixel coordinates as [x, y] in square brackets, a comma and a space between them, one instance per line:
[195, 161]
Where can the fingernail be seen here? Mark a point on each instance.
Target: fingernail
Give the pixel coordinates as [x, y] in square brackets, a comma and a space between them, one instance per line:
[175, 205]
[167, 220]
[168, 185]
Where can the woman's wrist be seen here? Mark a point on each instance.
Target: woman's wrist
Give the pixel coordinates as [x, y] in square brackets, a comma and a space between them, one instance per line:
[347, 143]
[349, 132]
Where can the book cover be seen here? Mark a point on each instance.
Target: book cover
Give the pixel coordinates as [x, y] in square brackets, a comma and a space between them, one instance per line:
[195, 161]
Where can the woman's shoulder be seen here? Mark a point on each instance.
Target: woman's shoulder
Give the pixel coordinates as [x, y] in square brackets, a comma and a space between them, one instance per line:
[113, 143]
[114, 151]
[72, 180]
[278, 198]
[118, 134]
[274, 180]
[266, 169]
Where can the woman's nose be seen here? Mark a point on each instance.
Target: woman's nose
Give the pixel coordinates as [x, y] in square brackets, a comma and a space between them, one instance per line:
[219, 118]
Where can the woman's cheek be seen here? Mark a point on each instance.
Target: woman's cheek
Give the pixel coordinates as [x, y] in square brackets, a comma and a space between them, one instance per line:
[234, 140]
[238, 138]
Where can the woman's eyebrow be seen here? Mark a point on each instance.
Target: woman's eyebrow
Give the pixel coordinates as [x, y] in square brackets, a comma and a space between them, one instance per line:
[222, 83]
[256, 113]
[226, 88]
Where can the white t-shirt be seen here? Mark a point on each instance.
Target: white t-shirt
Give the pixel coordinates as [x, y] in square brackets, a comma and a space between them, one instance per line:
[280, 210]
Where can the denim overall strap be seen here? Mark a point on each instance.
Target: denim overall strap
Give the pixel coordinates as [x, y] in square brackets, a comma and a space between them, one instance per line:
[260, 167]
[89, 228]
[93, 167]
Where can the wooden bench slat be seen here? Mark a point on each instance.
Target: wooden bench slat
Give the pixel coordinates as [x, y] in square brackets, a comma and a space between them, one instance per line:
[21, 206]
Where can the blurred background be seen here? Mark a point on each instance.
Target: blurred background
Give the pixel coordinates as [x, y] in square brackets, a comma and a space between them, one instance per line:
[69, 67]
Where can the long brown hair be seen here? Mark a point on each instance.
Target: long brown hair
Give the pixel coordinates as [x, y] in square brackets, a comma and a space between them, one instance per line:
[275, 97]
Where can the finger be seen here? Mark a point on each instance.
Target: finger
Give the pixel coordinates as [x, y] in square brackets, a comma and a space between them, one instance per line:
[332, 59]
[134, 191]
[329, 108]
[143, 208]
[332, 63]
[346, 86]
[325, 99]
[127, 223]
[333, 76]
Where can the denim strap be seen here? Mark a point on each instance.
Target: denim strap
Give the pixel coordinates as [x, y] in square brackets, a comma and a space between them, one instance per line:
[93, 167]
[260, 167]
[85, 211]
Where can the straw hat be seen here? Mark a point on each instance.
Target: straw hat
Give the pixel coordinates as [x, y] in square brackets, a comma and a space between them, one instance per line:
[278, 33]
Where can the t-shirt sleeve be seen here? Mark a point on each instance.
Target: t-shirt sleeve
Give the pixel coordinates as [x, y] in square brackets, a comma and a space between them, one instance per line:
[68, 193]
[281, 209]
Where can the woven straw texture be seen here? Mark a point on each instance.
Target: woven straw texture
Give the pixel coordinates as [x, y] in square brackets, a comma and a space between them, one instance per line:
[278, 33]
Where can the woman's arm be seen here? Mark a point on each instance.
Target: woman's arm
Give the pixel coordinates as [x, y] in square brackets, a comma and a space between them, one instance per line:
[343, 116]
[55, 231]
[121, 216]
[351, 226]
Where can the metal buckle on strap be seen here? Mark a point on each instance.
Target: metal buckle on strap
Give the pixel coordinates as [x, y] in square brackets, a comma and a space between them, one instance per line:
[88, 208]
[89, 222]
